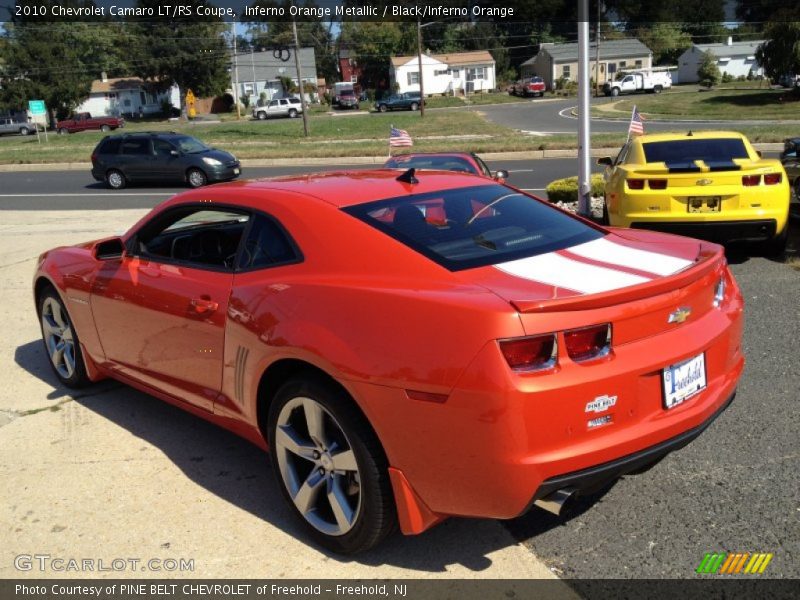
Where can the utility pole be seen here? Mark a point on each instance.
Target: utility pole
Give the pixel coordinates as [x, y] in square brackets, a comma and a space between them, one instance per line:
[597, 57]
[300, 77]
[235, 73]
[419, 58]
[584, 123]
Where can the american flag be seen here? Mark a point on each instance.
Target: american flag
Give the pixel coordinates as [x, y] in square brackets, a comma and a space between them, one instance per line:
[399, 137]
[637, 123]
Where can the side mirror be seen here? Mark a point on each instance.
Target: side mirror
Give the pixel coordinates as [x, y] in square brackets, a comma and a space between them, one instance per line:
[501, 175]
[110, 249]
[174, 153]
[760, 154]
[606, 161]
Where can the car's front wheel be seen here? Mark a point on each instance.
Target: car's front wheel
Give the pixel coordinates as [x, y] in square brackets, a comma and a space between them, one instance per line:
[292, 113]
[115, 179]
[24, 131]
[61, 341]
[330, 466]
[105, 128]
[196, 178]
[261, 115]
[63, 131]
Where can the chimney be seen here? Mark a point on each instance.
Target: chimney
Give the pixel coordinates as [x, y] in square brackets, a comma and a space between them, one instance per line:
[103, 76]
[730, 40]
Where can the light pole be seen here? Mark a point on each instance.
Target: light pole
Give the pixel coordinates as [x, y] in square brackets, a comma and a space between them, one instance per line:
[419, 59]
[584, 94]
[300, 78]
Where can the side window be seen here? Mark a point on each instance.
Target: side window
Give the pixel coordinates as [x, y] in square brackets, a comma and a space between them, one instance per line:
[273, 103]
[110, 146]
[136, 146]
[284, 102]
[162, 147]
[267, 245]
[197, 236]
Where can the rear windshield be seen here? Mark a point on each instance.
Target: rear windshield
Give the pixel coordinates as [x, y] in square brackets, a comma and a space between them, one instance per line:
[688, 150]
[475, 226]
[440, 163]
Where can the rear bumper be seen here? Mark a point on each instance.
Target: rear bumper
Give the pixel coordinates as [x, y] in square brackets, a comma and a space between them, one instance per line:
[756, 230]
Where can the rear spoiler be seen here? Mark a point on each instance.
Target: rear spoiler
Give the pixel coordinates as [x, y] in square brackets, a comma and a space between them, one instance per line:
[690, 166]
[636, 292]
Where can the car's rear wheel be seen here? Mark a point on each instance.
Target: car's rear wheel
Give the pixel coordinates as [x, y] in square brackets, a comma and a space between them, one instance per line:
[292, 113]
[261, 115]
[61, 341]
[330, 466]
[657, 89]
[196, 178]
[414, 106]
[382, 108]
[115, 179]
[105, 128]
[24, 131]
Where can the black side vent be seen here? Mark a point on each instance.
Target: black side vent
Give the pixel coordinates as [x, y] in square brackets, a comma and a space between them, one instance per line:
[238, 379]
[408, 176]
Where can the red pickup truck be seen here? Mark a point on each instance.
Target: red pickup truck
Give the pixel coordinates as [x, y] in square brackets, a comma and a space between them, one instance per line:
[531, 86]
[85, 121]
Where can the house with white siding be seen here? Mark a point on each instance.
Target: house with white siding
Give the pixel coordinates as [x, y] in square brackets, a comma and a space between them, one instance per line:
[737, 59]
[453, 73]
[126, 96]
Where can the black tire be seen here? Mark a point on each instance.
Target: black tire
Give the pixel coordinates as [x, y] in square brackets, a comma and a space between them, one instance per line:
[115, 179]
[615, 91]
[377, 514]
[292, 113]
[261, 115]
[105, 128]
[63, 131]
[604, 219]
[657, 89]
[196, 177]
[78, 377]
[414, 106]
[382, 108]
[776, 247]
[24, 131]
[797, 189]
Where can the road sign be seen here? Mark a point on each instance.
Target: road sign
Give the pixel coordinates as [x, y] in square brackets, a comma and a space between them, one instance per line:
[36, 107]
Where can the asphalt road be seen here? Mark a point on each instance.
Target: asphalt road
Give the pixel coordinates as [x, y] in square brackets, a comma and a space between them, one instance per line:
[76, 190]
[733, 489]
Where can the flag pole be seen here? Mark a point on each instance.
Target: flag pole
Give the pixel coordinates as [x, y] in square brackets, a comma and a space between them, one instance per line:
[390, 139]
[633, 112]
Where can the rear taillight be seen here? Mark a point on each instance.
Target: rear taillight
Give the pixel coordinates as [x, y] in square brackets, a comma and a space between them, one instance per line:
[535, 353]
[588, 343]
[773, 178]
[657, 184]
[636, 184]
[94, 157]
[751, 180]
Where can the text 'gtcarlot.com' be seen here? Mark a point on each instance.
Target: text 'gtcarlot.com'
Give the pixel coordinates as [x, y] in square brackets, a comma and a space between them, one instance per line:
[46, 562]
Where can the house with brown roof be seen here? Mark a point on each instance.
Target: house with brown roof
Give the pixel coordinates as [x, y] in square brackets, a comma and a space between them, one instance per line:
[453, 73]
[126, 96]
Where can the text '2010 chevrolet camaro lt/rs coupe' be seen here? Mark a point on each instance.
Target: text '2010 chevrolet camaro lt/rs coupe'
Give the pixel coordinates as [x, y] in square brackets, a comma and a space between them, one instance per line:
[407, 346]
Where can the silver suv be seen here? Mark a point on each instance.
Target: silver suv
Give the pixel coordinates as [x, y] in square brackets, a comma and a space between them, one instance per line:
[12, 126]
[281, 107]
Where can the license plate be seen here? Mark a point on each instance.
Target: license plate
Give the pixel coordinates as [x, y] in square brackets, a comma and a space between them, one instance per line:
[236, 171]
[704, 204]
[683, 380]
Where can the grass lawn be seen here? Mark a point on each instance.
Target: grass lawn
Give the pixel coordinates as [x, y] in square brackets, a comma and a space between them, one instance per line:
[760, 104]
[338, 136]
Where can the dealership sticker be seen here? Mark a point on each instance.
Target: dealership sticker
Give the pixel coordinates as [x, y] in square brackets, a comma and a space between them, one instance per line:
[601, 403]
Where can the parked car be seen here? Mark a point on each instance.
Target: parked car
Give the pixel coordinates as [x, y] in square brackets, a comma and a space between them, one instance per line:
[402, 371]
[631, 82]
[791, 148]
[710, 185]
[790, 158]
[280, 107]
[529, 86]
[460, 162]
[405, 101]
[789, 80]
[11, 126]
[85, 122]
[165, 157]
[346, 98]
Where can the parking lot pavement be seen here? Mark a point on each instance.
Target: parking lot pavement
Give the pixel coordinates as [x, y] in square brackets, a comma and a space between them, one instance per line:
[110, 473]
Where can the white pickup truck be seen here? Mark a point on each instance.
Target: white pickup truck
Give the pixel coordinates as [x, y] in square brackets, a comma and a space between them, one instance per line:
[631, 82]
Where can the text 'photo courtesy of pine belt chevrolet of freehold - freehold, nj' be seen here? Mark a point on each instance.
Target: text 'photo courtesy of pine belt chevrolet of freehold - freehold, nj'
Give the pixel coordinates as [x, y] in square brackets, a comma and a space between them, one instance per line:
[427, 299]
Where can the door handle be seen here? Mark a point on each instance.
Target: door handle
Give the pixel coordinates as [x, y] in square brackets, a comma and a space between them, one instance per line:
[204, 305]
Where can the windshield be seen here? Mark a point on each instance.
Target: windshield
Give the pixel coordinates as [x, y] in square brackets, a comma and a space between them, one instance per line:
[439, 163]
[190, 145]
[721, 150]
[475, 226]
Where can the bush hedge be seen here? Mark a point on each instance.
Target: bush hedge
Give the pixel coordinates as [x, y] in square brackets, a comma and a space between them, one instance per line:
[566, 190]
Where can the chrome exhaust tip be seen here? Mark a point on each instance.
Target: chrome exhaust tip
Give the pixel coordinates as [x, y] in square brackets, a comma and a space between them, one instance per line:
[559, 502]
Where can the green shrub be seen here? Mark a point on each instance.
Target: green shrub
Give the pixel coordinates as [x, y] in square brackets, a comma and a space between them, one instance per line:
[566, 190]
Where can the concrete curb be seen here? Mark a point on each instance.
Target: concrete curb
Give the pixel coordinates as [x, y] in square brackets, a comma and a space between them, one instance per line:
[357, 160]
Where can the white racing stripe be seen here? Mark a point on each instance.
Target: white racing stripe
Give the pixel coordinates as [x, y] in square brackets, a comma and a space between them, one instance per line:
[610, 252]
[557, 270]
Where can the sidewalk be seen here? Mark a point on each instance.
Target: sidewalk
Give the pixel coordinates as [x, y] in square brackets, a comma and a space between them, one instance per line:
[113, 473]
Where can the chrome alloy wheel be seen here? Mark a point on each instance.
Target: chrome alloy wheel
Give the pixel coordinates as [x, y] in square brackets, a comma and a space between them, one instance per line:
[58, 337]
[318, 466]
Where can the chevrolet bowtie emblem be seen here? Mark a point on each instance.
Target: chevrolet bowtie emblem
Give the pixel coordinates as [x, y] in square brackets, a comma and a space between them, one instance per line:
[704, 182]
[679, 315]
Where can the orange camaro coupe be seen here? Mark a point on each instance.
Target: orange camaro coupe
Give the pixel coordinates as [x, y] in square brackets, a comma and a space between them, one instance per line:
[408, 346]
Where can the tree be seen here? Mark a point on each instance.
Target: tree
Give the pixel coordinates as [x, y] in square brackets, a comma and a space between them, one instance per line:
[708, 71]
[667, 41]
[374, 43]
[780, 54]
[188, 51]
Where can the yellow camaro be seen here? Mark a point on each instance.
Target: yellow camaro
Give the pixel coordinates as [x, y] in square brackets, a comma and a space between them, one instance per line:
[710, 185]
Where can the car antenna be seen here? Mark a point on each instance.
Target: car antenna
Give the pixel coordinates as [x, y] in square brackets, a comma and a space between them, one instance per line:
[408, 176]
[690, 134]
